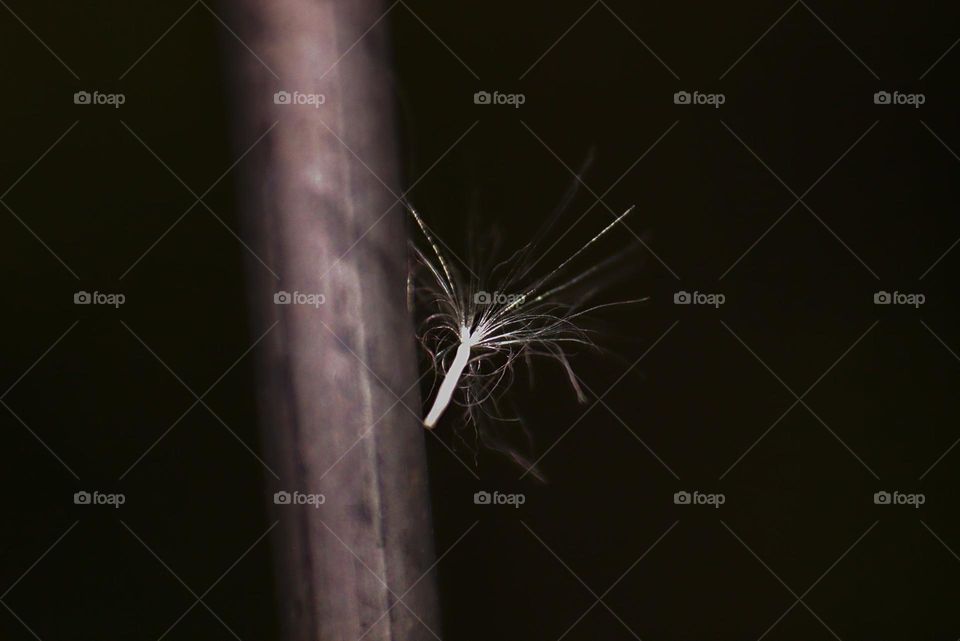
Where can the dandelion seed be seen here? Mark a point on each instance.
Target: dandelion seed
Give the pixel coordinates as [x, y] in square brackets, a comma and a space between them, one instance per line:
[475, 334]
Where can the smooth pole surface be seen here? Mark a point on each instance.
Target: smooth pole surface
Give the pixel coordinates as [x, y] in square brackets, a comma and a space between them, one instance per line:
[337, 381]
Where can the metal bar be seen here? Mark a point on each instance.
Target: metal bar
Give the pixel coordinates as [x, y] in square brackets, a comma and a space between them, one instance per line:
[319, 210]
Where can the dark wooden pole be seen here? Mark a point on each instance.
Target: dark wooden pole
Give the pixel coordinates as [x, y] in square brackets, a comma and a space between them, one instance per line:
[337, 384]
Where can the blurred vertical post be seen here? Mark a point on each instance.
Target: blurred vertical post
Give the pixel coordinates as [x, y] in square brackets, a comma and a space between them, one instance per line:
[337, 381]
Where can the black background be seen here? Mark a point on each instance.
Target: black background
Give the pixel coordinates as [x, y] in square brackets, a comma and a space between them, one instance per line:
[709, 185]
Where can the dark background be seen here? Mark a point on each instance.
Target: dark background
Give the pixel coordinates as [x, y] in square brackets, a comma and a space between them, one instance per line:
[707, 186]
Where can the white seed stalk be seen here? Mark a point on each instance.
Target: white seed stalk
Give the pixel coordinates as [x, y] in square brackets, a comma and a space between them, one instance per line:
[450, 380]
